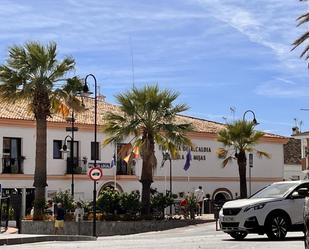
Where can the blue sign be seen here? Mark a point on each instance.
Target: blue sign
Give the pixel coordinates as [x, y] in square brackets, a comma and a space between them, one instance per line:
[100, 165]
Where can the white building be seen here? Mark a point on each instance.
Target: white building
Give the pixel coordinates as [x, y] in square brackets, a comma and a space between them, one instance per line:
[17, 145]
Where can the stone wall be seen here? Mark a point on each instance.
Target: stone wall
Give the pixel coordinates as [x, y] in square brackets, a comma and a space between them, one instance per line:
[105, 228]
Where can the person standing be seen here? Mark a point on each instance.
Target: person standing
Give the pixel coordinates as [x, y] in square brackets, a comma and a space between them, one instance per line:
[59, 219]
[79, 212]
[50, 208]
[199, 195]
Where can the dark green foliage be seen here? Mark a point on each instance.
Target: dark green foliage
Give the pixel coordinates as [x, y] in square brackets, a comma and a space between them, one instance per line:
[130, 203]
[109, 201]
[66, 199]
[159, 202]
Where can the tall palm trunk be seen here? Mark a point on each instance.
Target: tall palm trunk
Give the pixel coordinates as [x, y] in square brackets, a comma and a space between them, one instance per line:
[242, 164]
[41, 106]
[147, 174]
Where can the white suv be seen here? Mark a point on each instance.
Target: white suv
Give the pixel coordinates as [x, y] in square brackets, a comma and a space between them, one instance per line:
[274, 210]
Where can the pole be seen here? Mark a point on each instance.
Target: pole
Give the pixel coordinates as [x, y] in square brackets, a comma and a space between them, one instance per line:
[170, 182]
[95, 159]
[94, 230]
[115, 166]
[249, 180]
[72, 154]
[250, 166]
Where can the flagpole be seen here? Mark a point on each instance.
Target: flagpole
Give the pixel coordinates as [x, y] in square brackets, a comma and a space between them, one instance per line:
[188, 178]
[115, 173]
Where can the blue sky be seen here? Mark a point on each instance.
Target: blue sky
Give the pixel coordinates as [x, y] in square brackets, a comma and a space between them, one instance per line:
[218, 54]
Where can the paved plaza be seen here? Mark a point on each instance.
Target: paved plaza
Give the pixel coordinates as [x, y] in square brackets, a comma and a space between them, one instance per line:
[192, 237]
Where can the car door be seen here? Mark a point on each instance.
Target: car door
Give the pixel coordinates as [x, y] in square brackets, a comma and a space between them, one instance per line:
[296, 205]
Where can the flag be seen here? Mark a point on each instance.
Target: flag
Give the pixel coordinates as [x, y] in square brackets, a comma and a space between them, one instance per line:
[135, 152]
[127, 158]
[113, 162]
[188, 159]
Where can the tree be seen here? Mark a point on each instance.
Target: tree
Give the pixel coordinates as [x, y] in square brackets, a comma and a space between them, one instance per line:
[148, 114]
[238, 138]
[30, 73]
[303, 19]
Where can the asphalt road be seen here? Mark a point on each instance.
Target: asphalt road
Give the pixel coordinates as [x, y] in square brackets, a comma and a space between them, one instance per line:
[193, 237]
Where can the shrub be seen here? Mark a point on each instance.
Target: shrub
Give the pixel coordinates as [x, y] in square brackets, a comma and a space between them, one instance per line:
[130, 203]
[159, 202]
[109, 201]
[66, 199]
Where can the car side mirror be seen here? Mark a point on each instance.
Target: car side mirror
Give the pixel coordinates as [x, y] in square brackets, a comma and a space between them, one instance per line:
[302, 192]
[296, 195]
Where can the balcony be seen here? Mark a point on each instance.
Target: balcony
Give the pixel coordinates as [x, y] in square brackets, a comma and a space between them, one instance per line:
[11, 165]
[79, 166]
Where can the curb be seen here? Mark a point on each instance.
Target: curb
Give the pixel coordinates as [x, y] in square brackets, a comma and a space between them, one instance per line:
[44, 238]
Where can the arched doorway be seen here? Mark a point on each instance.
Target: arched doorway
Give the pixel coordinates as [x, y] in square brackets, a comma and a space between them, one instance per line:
[222, 195]
[111, 185]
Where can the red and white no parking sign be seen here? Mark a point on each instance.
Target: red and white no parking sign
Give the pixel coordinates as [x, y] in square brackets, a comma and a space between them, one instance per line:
[95, 174]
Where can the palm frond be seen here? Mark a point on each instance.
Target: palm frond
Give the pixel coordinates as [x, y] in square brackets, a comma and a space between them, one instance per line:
[261, 154]
[222, 153]
[227, 160]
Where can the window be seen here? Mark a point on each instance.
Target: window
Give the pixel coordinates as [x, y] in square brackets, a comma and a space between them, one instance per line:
[11, 156]
[57, 146]
[95, 151]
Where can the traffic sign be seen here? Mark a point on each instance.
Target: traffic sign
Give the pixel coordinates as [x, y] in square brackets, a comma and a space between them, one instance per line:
[250, 160]
[95, 174]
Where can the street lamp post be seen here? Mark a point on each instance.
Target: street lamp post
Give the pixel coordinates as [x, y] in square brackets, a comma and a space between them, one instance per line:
[72, 129]
[86, 90]
[65, 150]
[254, 121]
[167, 156]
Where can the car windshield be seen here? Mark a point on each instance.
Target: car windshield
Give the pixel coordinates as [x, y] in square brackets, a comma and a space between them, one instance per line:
[275, 190]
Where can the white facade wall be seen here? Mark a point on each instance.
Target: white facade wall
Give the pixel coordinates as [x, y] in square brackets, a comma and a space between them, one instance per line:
[207, 172]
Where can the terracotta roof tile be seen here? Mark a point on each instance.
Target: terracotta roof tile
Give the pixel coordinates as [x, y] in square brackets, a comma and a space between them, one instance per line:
[20, 110]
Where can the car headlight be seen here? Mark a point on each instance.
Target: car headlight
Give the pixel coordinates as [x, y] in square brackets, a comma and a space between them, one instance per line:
[255, 207]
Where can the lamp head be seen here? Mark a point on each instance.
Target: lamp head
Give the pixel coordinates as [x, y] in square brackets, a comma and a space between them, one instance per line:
[65, 149]
[255, 122]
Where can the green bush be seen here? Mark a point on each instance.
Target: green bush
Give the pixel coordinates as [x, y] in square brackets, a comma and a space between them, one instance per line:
[109, 201]
[130, 203]
[66, 199]
[192, 205]
[159, 202]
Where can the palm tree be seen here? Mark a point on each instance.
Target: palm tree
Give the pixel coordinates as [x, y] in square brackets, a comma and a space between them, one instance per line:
[30, 73]
[148, 114]
[303, 19]
[238, 138]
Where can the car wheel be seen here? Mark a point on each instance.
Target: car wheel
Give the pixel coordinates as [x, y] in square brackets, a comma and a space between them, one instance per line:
[276, 227]
[306, 239]
[238, 235]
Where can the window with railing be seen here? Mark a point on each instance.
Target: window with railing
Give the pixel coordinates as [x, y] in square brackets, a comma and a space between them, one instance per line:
[12, 159]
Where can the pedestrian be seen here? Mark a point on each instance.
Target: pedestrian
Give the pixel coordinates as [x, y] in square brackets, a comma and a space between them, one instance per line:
[50, 208]
[59, 219]
[79, 212]
[199, 195]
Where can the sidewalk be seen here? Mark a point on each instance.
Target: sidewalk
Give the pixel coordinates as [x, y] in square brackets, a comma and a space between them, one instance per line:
[11, 236]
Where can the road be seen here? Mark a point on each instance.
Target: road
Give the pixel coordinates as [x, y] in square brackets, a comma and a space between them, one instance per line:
[192, 237]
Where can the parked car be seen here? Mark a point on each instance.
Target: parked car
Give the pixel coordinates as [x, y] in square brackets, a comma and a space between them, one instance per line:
[304, 192]
[274, 210]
